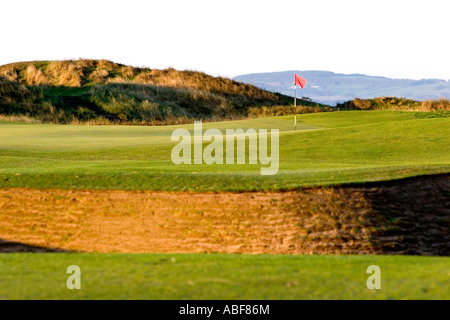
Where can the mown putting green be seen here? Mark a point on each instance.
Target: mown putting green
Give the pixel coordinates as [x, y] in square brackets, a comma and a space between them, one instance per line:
[326, 149]
[221, 276]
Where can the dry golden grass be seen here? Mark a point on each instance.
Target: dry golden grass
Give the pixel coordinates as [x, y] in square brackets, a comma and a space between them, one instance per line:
[79, 91]
[128, 71]
[266, 111]
[397, 104]
[434, 105]
[35, 76]
[75, 73]
[10, 73]
[362, 104]
[18, 118]
[66, 73]
[99, 76]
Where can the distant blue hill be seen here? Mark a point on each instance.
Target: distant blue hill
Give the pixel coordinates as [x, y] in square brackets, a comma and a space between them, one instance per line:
[331, 88]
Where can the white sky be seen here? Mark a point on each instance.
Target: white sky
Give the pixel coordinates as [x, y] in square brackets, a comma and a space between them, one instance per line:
[393, 38]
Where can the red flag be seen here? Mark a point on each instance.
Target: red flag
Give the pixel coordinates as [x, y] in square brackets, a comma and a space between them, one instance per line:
[299, 81]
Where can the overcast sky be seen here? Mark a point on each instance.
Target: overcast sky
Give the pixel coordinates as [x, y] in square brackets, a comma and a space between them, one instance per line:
[393, 38]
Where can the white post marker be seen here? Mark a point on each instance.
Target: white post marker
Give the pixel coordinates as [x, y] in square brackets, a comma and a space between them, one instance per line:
[295, 122]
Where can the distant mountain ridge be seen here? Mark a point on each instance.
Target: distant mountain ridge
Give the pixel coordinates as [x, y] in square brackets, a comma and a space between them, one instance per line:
[331, 88]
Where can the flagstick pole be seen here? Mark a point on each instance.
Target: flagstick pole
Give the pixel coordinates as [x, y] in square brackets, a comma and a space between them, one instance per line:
[295, 96]
[295, 106]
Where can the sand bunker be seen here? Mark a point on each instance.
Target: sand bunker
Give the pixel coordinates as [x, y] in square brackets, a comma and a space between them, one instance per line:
[409, 216]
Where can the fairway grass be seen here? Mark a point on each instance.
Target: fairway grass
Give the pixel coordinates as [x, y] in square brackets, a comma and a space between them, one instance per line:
[326, 149]
[220, 276]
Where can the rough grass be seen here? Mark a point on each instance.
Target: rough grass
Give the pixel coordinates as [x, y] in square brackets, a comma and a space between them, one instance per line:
[398, 104]
[104, 92]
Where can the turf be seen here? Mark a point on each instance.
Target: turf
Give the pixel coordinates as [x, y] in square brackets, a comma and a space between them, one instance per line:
[326, 149]
[221, 276]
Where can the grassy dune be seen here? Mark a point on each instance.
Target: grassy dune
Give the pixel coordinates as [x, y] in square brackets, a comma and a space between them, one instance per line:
[326, 149]
[104, 92]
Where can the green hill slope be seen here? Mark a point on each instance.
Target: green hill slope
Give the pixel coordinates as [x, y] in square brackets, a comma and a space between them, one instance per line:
[102, 91]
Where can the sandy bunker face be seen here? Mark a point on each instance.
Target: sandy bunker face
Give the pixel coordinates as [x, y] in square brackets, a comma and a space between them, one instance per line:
[409, 216]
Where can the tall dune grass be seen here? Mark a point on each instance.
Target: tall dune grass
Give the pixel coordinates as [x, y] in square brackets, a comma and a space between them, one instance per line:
[398, 104]
[103, 92]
